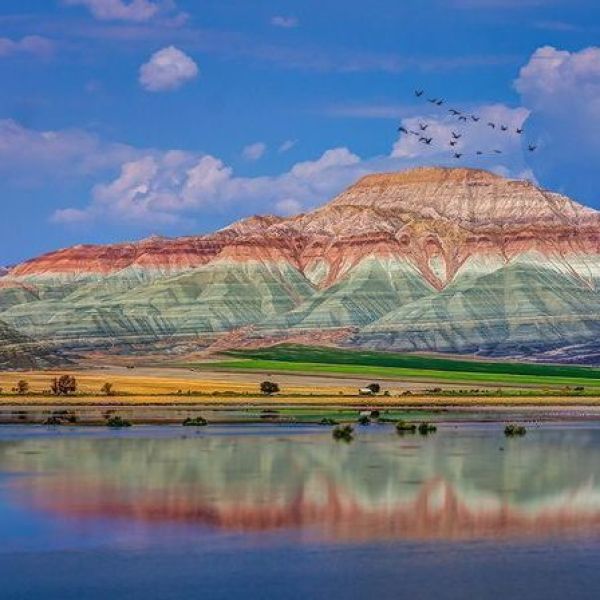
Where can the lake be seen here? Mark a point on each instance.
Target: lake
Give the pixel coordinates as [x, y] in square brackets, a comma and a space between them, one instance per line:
[271, 511]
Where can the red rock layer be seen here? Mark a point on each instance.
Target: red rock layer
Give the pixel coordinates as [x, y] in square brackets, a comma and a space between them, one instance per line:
[448, 214]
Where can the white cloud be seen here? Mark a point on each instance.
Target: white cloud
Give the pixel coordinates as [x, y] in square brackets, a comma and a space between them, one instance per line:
[35, 154]
[169, 187]
[174, 187]
[167, 69]
[31, 44]
[562, 90]
[285, 22]
[287, 146]
[254, 151]
[124, 10]
[552, 76]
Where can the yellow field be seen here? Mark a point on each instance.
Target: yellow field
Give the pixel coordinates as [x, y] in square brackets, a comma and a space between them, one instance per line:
[170, 381]
[171, 387]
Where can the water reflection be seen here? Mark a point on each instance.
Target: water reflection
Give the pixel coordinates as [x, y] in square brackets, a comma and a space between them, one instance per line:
[456, 485]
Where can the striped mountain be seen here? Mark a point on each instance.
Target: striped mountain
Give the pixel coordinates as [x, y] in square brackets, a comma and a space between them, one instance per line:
[450, 260]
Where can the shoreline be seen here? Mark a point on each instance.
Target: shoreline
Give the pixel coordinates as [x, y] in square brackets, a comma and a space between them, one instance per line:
[267, 414]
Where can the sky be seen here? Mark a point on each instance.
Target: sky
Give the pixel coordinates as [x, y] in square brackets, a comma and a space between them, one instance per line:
[121, 119]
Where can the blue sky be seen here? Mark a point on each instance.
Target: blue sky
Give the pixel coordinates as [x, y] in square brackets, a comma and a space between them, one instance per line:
[120, 118]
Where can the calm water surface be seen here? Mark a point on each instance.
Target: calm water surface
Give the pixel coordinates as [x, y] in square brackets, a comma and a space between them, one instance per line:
[283, 512]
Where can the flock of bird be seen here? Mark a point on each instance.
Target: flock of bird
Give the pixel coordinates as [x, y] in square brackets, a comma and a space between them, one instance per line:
[461, 117]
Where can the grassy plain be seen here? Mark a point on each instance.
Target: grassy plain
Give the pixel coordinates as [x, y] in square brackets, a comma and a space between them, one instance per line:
[318, 377]
[388, 366]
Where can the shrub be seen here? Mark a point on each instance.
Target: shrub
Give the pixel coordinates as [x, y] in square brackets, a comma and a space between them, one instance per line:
[117, 421]
[327, 421]
[343, 432]
[195, 422]
[53, 420]
[107, 389]
[374, 387]
[63, 385]
[513, 430]
[427, 428]
[22, 387]
[364, 420]
[404, 427]
[269, 387]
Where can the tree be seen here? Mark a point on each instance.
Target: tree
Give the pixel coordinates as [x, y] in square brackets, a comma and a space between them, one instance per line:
[268, 388]
[64, 385]
[374, 387]
[22, 387]
[107, 389]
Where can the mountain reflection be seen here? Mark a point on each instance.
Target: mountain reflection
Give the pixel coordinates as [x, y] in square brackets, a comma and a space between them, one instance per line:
[450, 486]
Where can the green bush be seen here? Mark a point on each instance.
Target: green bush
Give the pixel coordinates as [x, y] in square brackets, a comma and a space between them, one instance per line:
[328, 421]
[513, 430]
[117, 421]
[427, 428]
[269, 388]
[195, 422]
[404, 427]
[343, 432]
[364, 420]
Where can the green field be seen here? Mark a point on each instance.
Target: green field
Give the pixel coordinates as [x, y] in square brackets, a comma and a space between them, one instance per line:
[373, 365]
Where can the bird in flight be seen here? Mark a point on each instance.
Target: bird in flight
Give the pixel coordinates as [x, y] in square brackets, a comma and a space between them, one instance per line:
[462, 118]
[492, 125]
[504, 128]
[498, 151]
[453, 143]
[426, 140]
[454, 112]
[479, 152]
[474, 118]
[432, 100]
[418, 93]
[423, 126]
[532, 148]
[456, 136]
[440, 102]
[457, 154]
[403, 129]
[519, 130]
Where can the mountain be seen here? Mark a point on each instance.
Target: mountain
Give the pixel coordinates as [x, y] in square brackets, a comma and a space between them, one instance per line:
[19, 352]
[450, 260]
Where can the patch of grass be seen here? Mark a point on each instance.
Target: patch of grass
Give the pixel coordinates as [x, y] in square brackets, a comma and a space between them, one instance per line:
[343, 432]
[373, 371]
[514, 430]
[117, 422]
[195, 422]
[403, 427]
[426, 428]
[339, 356]
[290, 357]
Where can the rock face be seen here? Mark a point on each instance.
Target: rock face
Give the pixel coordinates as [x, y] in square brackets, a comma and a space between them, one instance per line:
[452, 260]
[19, 352]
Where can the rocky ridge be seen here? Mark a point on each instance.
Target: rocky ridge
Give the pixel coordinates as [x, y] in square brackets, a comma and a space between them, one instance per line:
[453, 260]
